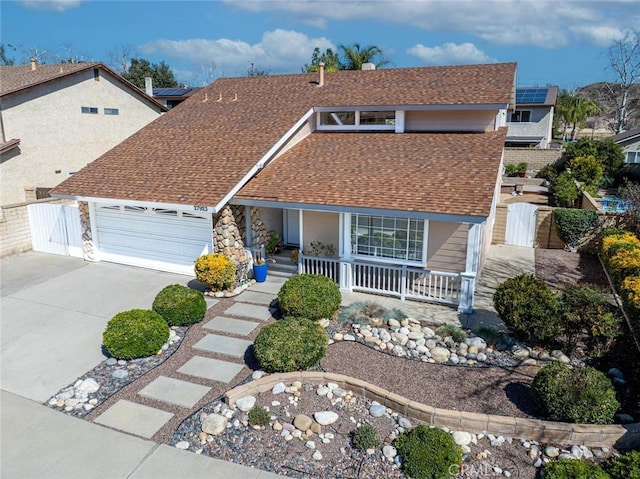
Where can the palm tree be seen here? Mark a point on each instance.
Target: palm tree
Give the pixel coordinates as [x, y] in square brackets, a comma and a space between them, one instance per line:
[574, 110]
[354, 56]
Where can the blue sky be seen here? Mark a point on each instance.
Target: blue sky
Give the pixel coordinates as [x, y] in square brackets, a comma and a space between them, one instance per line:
[554, 42]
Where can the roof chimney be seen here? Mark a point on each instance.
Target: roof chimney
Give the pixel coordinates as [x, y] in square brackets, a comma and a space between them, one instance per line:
[368, 66]
[321, 72]
[148, 86]
[33, 63]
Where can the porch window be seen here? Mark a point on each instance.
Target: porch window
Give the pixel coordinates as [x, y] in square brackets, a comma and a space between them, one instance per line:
[385, 237]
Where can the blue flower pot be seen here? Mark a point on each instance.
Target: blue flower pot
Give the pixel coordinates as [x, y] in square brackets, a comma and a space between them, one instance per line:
[260, 272]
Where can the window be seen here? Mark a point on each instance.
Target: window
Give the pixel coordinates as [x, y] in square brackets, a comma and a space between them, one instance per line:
[89, 109]
[111, 111]
[521, 116]
[633, 157]
[357, 120]
[386, 237]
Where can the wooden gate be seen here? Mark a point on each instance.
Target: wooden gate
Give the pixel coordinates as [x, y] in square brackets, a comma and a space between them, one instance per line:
[55, 229]
[521, 224]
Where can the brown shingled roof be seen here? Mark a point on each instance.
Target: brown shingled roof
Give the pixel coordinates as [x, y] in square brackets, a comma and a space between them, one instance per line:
[198, 153]
[20, 77]
[450, 173]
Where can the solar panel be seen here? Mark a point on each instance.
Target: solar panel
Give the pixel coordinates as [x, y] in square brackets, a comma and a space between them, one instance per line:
[532, 95]
[169, 91]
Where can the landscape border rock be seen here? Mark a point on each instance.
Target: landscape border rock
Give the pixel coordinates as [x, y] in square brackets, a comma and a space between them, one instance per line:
[590, 435]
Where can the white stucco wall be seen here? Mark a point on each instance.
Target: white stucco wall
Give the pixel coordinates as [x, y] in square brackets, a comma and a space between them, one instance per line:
[55, 135]
[540, 125]
[450, 120]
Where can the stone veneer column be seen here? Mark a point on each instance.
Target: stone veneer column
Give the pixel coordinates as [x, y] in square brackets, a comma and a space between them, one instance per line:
[88, 248]
[258, 229]
[238, 215]
[227, 240]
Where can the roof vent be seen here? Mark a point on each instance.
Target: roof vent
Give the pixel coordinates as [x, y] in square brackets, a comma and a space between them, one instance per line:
[33, 63]
[368, 66]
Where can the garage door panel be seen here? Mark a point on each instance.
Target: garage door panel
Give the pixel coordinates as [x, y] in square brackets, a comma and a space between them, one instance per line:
[168, 242]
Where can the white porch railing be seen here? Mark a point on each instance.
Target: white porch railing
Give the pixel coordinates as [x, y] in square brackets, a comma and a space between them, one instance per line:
[402, 281]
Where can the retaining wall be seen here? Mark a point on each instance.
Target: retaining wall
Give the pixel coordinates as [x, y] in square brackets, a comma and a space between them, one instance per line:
[534, 158]
[589, 435]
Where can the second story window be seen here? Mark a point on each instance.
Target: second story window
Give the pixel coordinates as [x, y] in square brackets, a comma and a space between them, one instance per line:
[111, 111]
[92, 110]
[356, 120]
[521, 116]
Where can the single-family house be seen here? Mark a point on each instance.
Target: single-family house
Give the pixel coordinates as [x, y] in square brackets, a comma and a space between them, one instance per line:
[58, 118]
[531, 124]
[629, 141]
[170, 97]
[396, 170]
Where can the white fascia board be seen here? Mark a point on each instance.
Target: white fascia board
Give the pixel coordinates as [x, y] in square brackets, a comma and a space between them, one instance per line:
[363, 211]
[146, 204]
[265, 159]
[477, 106]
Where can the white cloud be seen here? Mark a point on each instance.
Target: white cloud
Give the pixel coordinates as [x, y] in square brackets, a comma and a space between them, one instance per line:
[450, 54]
[542, 23]
[279, 50]
[55, 5]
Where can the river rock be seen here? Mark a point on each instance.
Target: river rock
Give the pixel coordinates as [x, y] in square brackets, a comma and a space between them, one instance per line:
[393, 323]
[560, 356]
[214, 424]
[440, 355]
[89, 386]
[389, 452]
[428, 332]
[317, 455]
[302, 422]
[246, 403]
[278, 388]
[377, 410]
[324, 418]
[551, 451]
[182, 445]
[462, 438]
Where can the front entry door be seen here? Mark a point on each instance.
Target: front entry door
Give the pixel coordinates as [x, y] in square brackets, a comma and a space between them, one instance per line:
[292, 227]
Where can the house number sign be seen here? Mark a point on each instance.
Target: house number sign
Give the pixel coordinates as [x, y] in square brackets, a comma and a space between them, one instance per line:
[200, 208]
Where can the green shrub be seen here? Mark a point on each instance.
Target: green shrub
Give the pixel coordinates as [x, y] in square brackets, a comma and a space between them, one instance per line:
[573, 225]
[609, 154]
[273, 244]
[309, 296]
[366, 437]
[564, 191]
[573, 469]
[137, 333]
[548, 172]
[587, 170]
[491, 336]
[216, 271]
[580, 394]
[290, 345]
[259, 416]
[588, 315]
[179, 305]
[365, 312]
[529, 308]
[428, 453]
[457, 333]
[626, 466]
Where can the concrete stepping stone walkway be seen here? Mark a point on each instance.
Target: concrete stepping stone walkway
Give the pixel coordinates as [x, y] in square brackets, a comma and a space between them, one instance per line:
[174, 391]
[257, 297]
[212, 369]
[249, 311]
[134, 418]
[230, 325]
[223, 345]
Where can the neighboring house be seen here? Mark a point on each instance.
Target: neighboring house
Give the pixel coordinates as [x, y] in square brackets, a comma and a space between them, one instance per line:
[170, 97]
[58, 118]
[531, 124]
[630, 142]
[398, 169]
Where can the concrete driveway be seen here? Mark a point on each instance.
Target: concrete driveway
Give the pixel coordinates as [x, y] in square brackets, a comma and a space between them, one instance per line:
[54, 310]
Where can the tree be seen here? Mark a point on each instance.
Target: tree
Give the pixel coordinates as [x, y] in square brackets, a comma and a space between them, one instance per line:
[606, 152]
[140, 68]
[6, 61]
[355, 56]
[254, 71]
[573, 110]
[624, 60]
[119, 58]
[330, 59]
[206, 73]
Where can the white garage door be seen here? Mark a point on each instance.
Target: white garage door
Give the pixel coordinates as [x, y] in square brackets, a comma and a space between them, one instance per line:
[166, 240]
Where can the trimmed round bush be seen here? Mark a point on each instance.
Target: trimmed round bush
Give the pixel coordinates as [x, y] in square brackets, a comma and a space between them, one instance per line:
[529, 308]
[259, 416]
[137, 333]
[179, 305]
[580, 394]
[428, 453]
[290, 345]
[310, 296]
[216, 271]
[366, 437]
[573, 469]
[626, 466]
